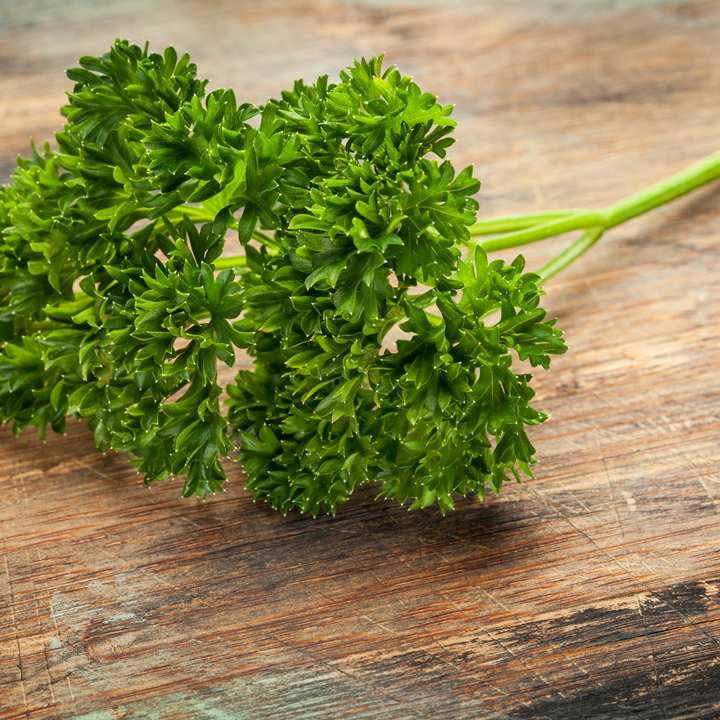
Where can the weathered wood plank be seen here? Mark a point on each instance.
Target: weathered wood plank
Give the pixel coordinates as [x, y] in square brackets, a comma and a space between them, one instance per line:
[593, 591]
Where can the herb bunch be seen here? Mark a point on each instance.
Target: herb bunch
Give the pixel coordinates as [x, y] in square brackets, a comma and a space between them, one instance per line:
[116, 301]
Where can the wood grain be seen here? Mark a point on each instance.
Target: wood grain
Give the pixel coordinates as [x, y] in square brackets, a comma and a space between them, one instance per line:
[591, 592]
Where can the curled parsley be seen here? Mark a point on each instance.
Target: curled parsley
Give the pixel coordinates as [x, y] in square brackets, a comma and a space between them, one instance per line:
[116, 301]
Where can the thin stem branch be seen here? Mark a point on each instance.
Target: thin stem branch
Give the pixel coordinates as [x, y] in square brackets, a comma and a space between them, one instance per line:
[493, 226]
[571, 253]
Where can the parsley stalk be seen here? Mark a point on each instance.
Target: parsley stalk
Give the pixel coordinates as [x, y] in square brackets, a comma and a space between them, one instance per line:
[533, 227]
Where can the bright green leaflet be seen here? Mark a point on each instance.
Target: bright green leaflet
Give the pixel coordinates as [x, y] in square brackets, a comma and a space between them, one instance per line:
[116, 305]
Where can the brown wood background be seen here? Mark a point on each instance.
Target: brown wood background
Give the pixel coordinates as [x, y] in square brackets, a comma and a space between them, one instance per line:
[592, 592]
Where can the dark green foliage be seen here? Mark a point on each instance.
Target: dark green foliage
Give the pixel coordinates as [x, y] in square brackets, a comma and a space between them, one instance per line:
[113, 306]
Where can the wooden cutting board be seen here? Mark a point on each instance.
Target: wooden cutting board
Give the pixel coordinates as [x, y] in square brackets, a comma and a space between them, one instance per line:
[590, 592]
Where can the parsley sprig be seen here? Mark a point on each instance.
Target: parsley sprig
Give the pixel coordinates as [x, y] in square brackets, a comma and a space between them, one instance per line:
[117, 301]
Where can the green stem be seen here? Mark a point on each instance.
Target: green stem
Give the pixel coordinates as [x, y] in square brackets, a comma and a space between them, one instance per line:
[595, 223]
[663, 192]
[230, 262]
[579, 221]
[571, 253]
[493, 226]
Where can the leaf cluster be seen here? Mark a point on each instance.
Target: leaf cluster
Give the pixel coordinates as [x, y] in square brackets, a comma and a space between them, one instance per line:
[115, 307]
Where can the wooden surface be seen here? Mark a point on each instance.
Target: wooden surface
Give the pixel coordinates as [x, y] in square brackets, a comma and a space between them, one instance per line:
[591, 592]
